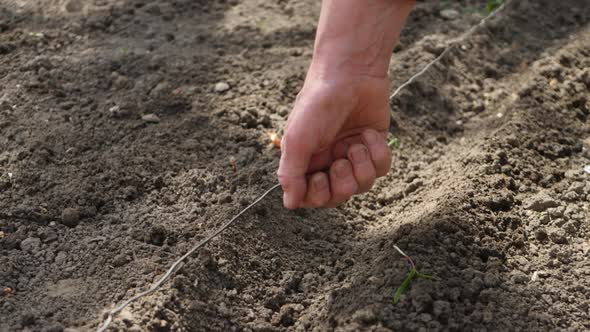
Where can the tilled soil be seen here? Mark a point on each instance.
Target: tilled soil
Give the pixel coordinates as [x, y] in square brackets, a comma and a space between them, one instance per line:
[120, 150]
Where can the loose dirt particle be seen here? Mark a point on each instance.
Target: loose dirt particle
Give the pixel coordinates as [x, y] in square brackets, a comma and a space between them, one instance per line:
[364, 316]
[120, 260]
[558, 236]
[541, 202]
[31, 245]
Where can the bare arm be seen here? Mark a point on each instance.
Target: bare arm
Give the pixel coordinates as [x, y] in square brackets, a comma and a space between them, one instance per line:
[358, 36]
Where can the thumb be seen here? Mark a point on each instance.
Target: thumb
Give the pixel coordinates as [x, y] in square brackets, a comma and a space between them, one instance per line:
[299, 143]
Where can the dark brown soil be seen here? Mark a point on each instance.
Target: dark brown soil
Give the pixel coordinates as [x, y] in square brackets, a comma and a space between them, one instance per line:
[117, 154]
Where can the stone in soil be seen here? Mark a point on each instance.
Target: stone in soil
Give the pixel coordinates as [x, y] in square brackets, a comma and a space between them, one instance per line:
[221, 87]
[70, 217]
[151, 118]
[449, 14]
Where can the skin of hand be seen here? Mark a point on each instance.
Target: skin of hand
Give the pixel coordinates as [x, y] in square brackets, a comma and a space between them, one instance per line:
[334, 143]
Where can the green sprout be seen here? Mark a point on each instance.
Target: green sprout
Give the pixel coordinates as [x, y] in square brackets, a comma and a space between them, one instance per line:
[493, 5]
[393, 143]
[413, 274]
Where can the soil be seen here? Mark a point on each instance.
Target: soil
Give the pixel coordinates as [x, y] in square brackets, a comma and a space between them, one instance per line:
[131, 128]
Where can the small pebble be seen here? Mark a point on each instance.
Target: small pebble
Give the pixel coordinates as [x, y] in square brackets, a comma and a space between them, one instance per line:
[151, 118]
[70, 217]
[74, 6]
[283, 111]
[449, 14]
[221, 87]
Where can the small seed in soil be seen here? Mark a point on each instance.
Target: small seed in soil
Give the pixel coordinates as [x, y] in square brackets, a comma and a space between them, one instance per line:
[275, 139]
[7, 291]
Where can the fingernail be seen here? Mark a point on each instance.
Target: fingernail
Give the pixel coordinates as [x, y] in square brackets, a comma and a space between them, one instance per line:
[288, 201]
[359, 154]
[319, 183]
[371, 137]
[342, 169]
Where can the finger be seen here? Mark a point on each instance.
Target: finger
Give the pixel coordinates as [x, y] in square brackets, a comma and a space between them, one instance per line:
[342, 182]
[362, 166]
[296, 150]
[318, 193]
[323, 160]
[380, 153]
[320, 161]
[298, 144]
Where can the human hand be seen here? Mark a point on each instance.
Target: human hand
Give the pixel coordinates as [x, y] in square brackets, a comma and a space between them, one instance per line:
[334, 143]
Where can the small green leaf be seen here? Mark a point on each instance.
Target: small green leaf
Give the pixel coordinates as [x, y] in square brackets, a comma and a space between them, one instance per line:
[393, 143]
[404, 286]
[424, 276]
[493, 5]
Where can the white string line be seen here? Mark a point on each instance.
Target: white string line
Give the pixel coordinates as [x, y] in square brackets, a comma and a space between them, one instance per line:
[216, 232]
[450, 45]
[175, 265]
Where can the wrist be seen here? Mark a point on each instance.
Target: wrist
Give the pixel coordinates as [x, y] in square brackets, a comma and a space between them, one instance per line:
[357, 37]
[343, 65]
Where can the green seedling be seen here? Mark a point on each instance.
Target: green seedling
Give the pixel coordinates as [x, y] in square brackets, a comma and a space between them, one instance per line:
[393, 143]
[493, 5]
[124, 51]
[413, 274]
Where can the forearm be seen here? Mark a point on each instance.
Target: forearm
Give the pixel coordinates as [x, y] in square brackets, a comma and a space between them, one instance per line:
[358, 36]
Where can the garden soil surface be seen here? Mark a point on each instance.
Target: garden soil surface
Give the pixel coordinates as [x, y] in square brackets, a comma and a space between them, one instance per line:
[132, 128]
